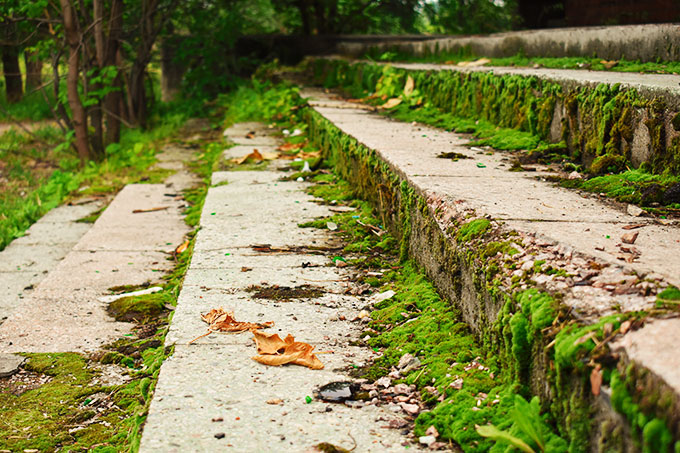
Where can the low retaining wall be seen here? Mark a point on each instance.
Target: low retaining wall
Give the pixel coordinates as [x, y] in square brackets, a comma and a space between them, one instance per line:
[606, 127]
[633, 42]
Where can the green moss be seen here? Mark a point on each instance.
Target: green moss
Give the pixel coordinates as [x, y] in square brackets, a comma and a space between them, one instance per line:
[472, 230]
[139, 307]
[669, 294]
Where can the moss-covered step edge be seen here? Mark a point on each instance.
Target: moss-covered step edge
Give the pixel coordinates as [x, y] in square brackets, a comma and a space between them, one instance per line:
[607, 128]
[549, 353]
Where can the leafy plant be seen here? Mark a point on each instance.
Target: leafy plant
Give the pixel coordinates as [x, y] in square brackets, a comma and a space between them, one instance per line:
[529, 432]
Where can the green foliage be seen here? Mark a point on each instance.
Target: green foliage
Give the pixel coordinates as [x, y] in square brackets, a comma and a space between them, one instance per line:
[468, 17]
[529, 431]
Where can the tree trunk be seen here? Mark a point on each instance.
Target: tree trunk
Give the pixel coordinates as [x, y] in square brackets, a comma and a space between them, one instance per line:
[171, 71]
[10, 66]
[33, 71]
[77, 110]
[112, 57]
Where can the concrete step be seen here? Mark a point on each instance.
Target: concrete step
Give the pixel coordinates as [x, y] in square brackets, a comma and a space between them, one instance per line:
[70, 265]
[602, 117]
[574, 240]
[211, 395]
[29, 259]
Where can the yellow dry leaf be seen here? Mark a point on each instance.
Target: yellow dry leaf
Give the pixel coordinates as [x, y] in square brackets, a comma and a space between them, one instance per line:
[410, 85]
[608, 64]
[475, 63]
[391, 103]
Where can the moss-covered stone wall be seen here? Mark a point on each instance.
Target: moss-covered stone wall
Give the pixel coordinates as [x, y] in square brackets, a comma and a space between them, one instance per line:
[606, 128]
[530, 332]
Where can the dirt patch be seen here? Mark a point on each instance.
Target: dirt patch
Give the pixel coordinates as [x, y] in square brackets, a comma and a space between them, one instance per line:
[285, 293]
[452, 155]
[22, 382]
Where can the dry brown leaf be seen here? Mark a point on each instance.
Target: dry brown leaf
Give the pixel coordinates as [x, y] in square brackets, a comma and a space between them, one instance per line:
[596, 379]
[182, 247]
[255, 155]
[634, 226]
[275, 352]
[250, 134]
[286, 147]
[139, 211]
[608, 64]
[391, 103]
[221, 320]
[410, 85]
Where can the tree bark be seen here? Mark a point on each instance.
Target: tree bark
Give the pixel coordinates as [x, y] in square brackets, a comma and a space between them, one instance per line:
[112, 101]
[33, 72]
[77, 109]
[10, 66]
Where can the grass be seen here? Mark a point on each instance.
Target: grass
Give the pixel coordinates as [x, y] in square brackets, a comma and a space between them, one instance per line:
[39, 173]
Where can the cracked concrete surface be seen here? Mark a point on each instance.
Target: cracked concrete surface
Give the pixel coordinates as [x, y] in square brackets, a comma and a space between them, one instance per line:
[215, 377]
[561, 226]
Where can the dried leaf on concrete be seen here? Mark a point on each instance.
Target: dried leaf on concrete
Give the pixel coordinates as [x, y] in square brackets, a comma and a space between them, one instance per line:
[257, 156]
[221, 320]
[475, 63]
[275, 352]
[286, 147]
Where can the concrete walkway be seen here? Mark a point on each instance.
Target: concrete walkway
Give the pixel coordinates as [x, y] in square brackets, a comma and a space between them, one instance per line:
[561, 227]
[211, 396]
[71, 265]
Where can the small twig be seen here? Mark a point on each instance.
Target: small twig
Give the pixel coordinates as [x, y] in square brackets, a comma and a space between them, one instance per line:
[353, 440]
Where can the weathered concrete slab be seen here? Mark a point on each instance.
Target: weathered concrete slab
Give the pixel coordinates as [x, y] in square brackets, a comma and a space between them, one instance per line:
[411, 152]
[215, 378]
[62, 313]
[286, 315]
[27, 260]
[10, 363]
[202, 383]
[648, 42]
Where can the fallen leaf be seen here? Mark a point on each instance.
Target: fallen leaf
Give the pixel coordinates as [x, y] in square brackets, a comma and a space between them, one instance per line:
[634, 226]
[286, 147]
[410, 85]
[255, 155]
[275, 352]
[608, 64]
[596, 379]
[220, 320]
[182, 247]
[250, 134]
[139, 211]
[275, 401]
[246, 269]
[629, 238]
[391, 103]
[475, 63]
